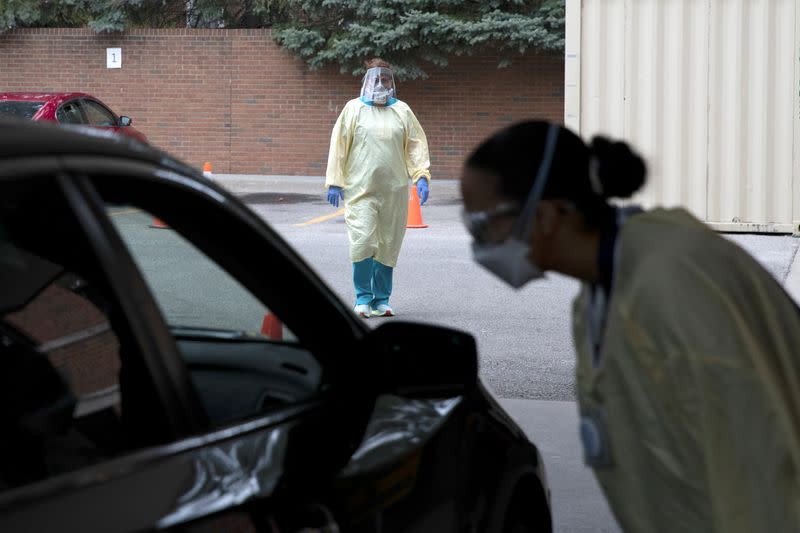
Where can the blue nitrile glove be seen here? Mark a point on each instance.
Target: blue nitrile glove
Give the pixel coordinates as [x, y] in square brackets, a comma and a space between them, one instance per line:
[422, 190]
[334, 193]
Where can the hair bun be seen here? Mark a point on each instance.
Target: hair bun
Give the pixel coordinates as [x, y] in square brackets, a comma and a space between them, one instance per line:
[620, 171]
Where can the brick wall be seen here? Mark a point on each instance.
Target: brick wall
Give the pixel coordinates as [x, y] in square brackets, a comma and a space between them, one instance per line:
[235, 99]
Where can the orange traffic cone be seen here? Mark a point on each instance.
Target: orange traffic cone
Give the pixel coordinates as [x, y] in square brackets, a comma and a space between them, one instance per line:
[272, 327]
[157, 223]
[414, 211]
[207, 170]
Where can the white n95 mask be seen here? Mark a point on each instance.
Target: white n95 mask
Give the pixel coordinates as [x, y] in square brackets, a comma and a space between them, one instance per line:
[381, 95]
[509, 260]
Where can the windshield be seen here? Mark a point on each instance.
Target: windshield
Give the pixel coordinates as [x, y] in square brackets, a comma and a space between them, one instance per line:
[26, 110]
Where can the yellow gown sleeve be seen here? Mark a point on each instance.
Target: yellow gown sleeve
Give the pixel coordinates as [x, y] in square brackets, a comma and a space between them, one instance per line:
[418, 161]
[341, 139]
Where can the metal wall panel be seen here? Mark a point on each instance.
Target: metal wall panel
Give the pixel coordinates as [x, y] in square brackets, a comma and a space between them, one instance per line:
[796, 114]
[751, 103]
[707, 91]
[572, 65]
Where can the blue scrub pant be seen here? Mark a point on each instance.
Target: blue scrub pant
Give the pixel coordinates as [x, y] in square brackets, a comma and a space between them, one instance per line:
[373, 282]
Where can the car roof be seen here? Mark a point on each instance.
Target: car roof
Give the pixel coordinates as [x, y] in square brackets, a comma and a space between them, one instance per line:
[57, 97]
[23, 138]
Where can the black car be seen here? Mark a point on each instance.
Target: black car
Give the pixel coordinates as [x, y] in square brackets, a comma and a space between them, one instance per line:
[168, 362]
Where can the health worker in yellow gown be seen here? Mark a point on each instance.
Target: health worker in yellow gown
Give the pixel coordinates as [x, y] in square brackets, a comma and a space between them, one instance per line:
[377, 145]
[688, 350]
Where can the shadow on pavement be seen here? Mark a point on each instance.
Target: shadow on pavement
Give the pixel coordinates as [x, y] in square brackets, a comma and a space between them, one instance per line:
[261, 198]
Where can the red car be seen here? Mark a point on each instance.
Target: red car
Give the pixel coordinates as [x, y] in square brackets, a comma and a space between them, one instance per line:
[67, 108]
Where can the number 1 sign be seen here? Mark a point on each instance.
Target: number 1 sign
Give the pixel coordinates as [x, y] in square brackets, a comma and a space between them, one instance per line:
[113, 57]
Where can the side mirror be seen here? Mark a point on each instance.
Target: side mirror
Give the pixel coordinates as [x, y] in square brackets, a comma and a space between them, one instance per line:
[421, 361]
[125, 121]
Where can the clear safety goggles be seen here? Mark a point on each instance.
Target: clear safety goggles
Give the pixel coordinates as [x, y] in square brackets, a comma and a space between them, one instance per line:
[477, 222]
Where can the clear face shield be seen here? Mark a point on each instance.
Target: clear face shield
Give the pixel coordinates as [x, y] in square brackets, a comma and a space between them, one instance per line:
[378, 86]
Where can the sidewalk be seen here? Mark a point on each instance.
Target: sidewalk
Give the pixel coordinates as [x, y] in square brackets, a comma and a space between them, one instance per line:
[246, 183]
[577, 503]
[792, 281]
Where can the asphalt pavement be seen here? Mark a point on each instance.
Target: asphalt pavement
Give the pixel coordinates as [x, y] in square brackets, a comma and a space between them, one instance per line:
[524, 338]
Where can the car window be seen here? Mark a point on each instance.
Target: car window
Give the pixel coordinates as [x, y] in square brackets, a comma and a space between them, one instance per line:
[240, 356]
[98, 115]
[69, 113]
[25, 110]
[68, 400]
[193, 292]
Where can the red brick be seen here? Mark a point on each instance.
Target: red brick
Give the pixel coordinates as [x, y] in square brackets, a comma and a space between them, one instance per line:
[182, 86]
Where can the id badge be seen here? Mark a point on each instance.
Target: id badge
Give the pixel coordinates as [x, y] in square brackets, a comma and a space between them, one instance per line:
[595, 438]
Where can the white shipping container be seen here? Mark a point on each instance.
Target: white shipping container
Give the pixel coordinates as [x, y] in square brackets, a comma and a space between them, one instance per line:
[707, 90]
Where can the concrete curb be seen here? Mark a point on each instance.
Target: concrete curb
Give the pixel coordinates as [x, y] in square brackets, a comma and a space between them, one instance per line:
[245, 183]
[270, 177]
[792, 282]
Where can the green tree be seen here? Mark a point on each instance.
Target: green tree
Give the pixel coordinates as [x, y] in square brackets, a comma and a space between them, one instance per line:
[117, 15]
[28, 13]
[416, 34]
